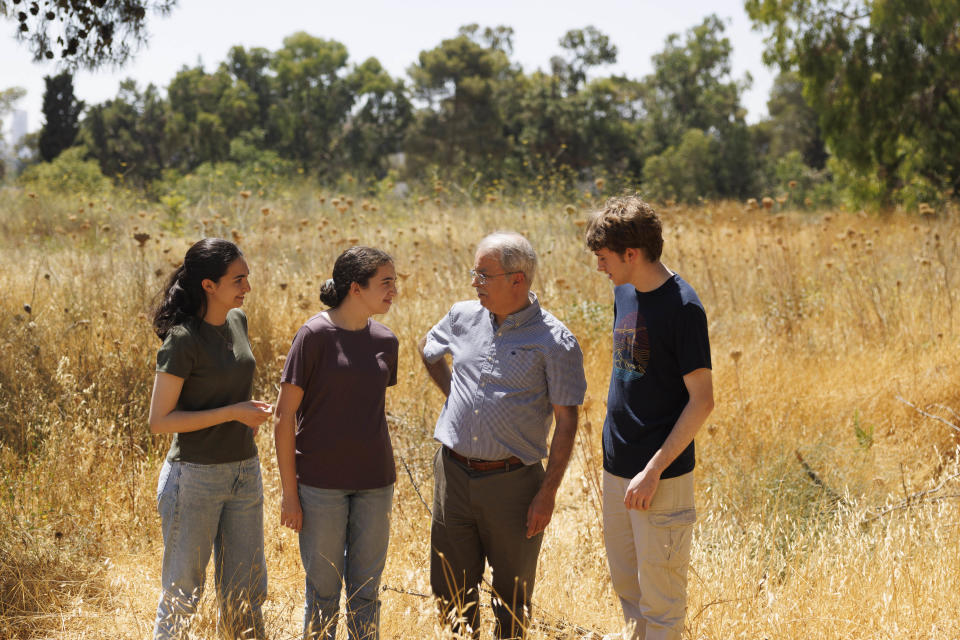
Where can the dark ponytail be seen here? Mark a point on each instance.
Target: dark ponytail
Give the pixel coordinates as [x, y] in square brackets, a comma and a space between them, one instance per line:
[356, 264]
[183, 298]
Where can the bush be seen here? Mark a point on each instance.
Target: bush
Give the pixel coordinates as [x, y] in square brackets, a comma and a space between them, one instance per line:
[683, 172]
[69, 173]
[804, 186]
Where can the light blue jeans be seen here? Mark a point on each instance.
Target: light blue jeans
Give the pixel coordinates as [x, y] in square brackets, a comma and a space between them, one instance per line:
[216, 507]
[343, 543]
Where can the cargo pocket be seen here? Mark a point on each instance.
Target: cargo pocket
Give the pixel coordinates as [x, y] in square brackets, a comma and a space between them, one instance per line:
[672, 531]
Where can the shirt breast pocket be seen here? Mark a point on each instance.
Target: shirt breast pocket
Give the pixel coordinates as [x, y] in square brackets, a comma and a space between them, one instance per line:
[521, 368]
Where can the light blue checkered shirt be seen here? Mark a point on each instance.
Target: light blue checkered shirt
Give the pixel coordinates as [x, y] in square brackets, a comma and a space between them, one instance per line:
[505, 380]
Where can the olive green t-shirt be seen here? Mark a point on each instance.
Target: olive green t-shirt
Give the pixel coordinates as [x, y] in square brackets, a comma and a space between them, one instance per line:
[217, 366]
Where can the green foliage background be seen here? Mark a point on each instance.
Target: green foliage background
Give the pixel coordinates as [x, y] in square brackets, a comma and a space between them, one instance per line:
[866, 111]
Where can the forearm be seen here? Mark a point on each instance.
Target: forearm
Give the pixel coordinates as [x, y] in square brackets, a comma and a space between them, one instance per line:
[561, 448]
[440, 374]
[284, 433]
[438, 371]
[186, 421]
[691, 419]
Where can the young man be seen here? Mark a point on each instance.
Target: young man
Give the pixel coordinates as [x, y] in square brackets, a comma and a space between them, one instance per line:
[661, 392]
[516, 368]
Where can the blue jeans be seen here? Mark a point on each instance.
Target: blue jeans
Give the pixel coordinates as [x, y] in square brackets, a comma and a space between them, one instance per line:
[343, 542]
[216, 507]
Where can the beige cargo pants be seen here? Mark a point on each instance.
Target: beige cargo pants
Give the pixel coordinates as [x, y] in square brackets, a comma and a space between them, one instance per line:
[648, 553]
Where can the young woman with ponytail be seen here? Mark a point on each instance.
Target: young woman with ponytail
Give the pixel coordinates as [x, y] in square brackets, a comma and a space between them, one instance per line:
[333, 448]
[209, 495]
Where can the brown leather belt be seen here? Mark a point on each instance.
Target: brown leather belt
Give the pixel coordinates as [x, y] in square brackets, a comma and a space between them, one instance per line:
[485, 465]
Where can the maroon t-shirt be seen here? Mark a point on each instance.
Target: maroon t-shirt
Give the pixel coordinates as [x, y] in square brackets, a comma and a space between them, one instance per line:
[342, 437]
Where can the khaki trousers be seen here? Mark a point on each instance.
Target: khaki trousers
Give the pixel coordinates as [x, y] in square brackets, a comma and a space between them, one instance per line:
[481, 517]
[648, 553]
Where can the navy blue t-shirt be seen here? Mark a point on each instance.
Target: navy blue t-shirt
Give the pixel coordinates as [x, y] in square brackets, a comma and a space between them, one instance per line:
[658, 337]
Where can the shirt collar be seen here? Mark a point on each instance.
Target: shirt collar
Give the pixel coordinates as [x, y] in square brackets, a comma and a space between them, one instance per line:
[521, 317]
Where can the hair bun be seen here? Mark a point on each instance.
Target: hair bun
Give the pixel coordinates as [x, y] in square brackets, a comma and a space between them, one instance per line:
[328, 293]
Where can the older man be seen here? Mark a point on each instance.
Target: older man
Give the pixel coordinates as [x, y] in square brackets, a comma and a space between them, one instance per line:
[515, 369]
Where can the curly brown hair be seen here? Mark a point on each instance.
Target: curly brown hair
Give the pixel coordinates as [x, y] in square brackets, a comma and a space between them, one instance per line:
[624, 223]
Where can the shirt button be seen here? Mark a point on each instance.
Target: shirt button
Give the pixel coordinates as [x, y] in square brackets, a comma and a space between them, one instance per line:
[475, 438]
[489, 358]
[476, 410]
[499, 333]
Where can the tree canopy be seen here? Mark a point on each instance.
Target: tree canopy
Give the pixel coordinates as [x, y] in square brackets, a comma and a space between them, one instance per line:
[83, 33]
[882, 75]
[61, 112]
[864, 108]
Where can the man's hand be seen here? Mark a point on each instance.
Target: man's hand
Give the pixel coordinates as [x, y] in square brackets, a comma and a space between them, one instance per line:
[540, 512]
[541, 509]
[643, 487]
[641, 490]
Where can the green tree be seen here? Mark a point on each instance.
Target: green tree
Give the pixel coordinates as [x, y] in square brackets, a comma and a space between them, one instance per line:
[546, 128]
[61, 113]
[252, 67]
[83, 33]
[692, 88]
[69, 172]
[613, 124]
[379, 121]
[563, 122]
[313, 98]
[793, 123]
[684, 172]
[206, 112]
[882, 75]
[127, 136]
[467, 84]
[583, 49]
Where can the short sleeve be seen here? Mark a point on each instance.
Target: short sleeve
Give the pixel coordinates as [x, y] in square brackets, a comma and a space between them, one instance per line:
[394, 356]
[305, 352]
[438, 339]
[178, 353]
[693, 341]
[566, 383]
[243, 320]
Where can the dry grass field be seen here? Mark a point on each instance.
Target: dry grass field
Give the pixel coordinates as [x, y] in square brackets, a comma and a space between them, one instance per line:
[828, 479]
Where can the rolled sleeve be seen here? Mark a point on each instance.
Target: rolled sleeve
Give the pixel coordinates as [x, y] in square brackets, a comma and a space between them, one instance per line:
[566, 382]
[438, 339]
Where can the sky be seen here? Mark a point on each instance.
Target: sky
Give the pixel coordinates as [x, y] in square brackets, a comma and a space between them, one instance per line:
[202, 31]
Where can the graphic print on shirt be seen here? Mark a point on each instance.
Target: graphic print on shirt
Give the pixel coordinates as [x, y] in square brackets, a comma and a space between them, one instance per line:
[631, 347]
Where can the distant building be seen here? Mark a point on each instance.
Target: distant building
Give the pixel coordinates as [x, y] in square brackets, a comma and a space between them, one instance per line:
[18, 127]
[8, 141]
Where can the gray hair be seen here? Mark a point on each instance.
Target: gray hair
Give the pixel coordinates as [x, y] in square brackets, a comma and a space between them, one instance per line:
[514, 252]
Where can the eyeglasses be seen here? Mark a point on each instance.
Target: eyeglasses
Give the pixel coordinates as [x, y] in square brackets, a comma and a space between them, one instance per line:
[483, 277]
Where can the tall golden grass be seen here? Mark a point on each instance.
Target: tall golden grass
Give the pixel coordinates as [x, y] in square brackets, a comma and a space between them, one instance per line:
[828, 487]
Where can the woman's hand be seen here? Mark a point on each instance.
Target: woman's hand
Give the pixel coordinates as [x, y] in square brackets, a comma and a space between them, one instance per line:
[253, 413]
[291, 515]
